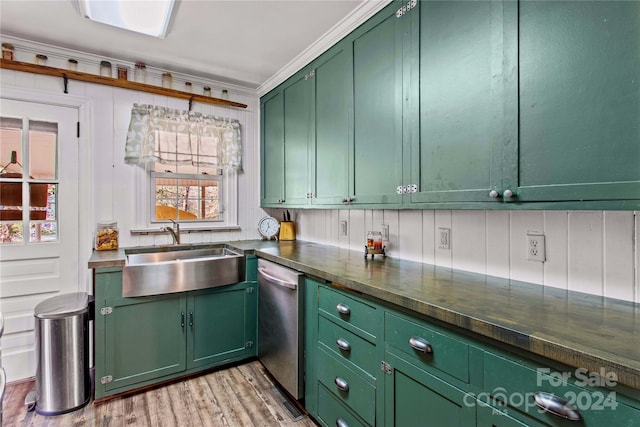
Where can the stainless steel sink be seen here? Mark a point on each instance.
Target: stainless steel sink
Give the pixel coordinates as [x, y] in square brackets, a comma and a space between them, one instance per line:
[170, 269]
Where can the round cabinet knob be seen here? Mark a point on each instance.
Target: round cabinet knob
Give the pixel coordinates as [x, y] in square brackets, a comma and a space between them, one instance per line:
[494, 194]
[508, 193]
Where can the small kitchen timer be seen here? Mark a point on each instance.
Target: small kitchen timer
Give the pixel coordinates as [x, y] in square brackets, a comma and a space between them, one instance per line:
[268, 227]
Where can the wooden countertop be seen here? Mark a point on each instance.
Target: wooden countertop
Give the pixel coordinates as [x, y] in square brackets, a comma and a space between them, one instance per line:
[574, 328]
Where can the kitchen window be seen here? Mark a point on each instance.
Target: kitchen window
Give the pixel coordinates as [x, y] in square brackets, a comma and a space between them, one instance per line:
[192, 160]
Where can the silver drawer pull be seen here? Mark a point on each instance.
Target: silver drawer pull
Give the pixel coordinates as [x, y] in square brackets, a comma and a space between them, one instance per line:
[556, 406]
[343, 344]
[341, 423]
[342, 384]
[420, 344]
[343, 309]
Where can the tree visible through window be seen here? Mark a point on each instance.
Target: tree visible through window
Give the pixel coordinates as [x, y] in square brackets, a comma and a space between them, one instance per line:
[28, 146]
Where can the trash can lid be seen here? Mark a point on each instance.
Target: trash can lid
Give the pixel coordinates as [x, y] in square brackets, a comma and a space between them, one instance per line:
[62, 306]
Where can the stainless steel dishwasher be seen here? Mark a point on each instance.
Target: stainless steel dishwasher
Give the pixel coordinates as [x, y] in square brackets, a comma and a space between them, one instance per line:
[280, 325]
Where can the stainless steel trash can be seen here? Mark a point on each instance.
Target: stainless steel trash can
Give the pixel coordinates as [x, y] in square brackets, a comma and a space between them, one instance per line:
[63, 382]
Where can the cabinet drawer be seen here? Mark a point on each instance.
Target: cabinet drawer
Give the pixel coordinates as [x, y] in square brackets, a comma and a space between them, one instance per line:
[516, 383]
[348, 346]
[346, 310]
[357, 393]
[333, 413]
[441, 352]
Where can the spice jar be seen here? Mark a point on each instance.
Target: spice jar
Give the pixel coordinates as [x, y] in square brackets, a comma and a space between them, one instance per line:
[140, 73]
[206, 91]
[188, 87]
[225, 94]
[105, 68]
[166, 80]
[374, 240]
[7, 51]
[106, 236]
[72, 65]
[41, 59]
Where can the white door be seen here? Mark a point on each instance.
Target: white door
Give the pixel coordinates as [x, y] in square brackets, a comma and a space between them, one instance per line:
[38, 220]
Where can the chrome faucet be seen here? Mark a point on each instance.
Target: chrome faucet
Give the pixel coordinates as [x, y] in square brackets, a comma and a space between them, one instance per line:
[174, 231]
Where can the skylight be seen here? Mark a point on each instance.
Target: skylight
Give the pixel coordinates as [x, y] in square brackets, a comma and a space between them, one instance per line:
[149, 17]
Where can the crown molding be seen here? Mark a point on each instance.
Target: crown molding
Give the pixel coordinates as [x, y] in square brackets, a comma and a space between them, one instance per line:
[367, 9]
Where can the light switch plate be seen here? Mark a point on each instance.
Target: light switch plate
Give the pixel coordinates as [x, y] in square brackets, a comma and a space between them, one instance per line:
[444, 242]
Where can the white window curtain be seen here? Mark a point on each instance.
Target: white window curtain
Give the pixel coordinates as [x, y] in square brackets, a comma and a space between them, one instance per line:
[179, 137]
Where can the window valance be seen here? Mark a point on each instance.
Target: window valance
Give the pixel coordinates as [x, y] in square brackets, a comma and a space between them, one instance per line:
[175, 137]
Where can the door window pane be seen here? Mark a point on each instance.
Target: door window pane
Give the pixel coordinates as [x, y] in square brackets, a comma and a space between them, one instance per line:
[41, 184]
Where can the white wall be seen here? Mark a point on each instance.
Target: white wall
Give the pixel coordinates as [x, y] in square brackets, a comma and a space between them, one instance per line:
[595, 252]
[113, 186]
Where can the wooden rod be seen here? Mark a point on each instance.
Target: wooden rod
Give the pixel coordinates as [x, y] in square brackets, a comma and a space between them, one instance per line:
[110, 81]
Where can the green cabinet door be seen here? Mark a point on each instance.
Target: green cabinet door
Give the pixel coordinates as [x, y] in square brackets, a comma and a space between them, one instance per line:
[578, 102]
[377, 150]
[333, 96]
[298, 129]
[221, 324]
[144, 339]
[272, 149]
[414, 397]
[454, 121]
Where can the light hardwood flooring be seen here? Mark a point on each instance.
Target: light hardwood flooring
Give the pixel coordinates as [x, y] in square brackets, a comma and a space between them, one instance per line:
[242, 395]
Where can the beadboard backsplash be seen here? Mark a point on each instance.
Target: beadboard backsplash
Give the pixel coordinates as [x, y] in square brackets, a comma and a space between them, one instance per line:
[588, 251]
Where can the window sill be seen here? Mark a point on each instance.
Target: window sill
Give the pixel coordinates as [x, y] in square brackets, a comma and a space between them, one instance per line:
[184, 230]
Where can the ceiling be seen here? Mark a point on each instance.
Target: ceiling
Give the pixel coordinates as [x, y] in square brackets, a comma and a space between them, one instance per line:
[243, 42]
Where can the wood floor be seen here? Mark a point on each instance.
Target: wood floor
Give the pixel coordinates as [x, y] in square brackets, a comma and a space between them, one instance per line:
[242, 395]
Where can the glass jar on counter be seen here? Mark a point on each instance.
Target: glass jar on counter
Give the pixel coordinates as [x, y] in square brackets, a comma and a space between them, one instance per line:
[106, 236]
[374, 240]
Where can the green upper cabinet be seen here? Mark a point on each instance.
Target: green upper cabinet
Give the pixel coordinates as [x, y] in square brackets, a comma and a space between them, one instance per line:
[272, 148]
[377, 108]
[298, 129]
[332, 104]
[577, 134]
[454, 82]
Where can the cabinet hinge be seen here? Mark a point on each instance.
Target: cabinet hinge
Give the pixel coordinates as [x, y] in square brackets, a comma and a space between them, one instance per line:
[385, 367]
[250, 290]
[406, 8]
[248, 344]
[106, 379]
[106, 310]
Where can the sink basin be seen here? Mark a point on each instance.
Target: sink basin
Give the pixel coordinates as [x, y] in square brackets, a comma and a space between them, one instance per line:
[170, 269]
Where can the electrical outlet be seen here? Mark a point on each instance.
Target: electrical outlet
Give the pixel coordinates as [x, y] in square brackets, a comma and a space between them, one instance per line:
[343, 228]
[535, 247]
[385, 232]
[445, 238]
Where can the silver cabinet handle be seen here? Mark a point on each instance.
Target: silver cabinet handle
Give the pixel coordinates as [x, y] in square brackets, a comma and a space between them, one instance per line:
[343, 344]
[191, 319]
[343, 309]
[182, 320]
[420, 344]
[342, 384]
[508, 194]
[341, 423]
[494, 194]
[556, 405]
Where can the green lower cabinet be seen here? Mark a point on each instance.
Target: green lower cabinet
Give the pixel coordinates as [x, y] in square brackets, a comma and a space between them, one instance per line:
[142, 341]
[414, 397]
[333, 413]
[490, 416]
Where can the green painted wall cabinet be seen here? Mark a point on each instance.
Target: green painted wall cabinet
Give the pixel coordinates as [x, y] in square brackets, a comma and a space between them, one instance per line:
[472, 104]
[145, 340]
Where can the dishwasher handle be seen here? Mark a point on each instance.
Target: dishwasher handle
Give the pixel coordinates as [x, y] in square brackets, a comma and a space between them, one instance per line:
[276, 281]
